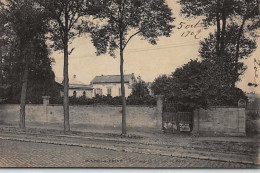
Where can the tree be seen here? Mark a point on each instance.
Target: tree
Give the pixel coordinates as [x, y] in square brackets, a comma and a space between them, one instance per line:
[140, 88]
[28, 26]
[239, 17]
[193, 86]
[162, 85]
[125, 19]
[140, 94]
[228, 70]
[67, 20]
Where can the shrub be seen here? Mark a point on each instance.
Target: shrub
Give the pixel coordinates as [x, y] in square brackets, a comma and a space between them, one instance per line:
[105, 100]
[252, 127]
[145, 100]
[56, 100]
[252, 123]
[252, 115]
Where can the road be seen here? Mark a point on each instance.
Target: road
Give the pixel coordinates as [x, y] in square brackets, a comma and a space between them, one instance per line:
[31, 154]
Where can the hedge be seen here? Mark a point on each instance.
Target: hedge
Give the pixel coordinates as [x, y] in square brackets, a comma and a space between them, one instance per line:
[106, 100]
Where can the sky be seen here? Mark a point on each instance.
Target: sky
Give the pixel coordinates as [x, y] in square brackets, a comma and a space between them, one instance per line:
[148, 61]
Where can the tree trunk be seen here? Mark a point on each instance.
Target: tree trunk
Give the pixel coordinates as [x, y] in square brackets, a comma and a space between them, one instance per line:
[121, 35]
[218, 27]
[223, 30]
[1, 69]
[240, 31]
[23, 97]
[66, 90]
[123, 91]
[66, 72]
[122, 83]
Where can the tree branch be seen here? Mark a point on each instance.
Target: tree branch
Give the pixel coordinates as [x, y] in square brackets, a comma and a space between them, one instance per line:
[131, 38]
[76, 10]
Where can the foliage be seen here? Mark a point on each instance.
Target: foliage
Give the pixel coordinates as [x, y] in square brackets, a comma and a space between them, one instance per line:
[66, 20]
[252, 127]
[140, 94]
[228, 69]
[255, 104]
[162, 85]
[148, 19]
[105, 100]
[24, 28]
[252, 123]
[236, 23]
[140, 89]
[213, 11]
[252, 115]
[144, 100]
[190, 84]
[193, 86]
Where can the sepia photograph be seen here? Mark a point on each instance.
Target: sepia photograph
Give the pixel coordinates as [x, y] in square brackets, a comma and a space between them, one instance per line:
[163, 84]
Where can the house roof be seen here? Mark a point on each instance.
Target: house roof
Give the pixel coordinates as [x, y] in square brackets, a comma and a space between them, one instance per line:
[112, 79]
[74, 83]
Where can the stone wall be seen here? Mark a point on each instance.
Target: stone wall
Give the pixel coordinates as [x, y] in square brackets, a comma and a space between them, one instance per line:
[141, 118]
[220, 121]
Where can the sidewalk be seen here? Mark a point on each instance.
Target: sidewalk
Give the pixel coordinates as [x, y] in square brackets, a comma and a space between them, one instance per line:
[227, 149]
[108, 132]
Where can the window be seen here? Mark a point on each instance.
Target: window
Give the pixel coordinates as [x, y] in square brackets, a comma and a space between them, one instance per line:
[84, 93]
[99, 91]
[120, 93]
[74, 93]
[109, 91]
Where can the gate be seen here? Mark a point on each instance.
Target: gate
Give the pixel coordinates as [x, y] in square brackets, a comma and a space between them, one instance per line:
[176, 119]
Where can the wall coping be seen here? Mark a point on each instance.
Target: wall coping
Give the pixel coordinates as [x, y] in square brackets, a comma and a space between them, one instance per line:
[83, 105]
[223, 107]
[105, 105]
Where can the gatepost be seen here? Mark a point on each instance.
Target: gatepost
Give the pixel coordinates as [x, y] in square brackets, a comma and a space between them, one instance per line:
[196, 122]
[159, 111]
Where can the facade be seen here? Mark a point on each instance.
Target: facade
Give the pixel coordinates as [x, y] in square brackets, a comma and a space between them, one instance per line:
[111, 85]
[77, 88]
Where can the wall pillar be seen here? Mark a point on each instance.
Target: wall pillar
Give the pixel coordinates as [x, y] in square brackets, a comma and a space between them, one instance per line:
[242, 121]
[45, 104]
[159, 111]
[241, 117]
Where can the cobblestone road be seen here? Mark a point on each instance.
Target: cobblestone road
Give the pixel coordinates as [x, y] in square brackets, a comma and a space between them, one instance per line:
[28, 154]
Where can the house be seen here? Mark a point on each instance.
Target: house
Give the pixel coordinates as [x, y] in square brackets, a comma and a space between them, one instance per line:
[76, 88]
[111, 85]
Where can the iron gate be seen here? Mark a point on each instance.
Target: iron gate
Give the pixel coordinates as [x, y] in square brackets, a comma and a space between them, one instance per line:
[175, 120]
